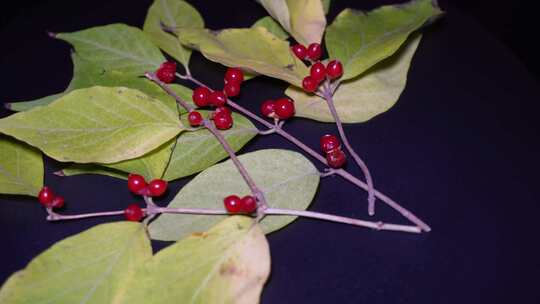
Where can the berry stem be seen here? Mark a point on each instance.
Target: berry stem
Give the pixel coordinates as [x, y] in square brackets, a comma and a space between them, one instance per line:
[327, 93]
[166, 88]
[53, 216]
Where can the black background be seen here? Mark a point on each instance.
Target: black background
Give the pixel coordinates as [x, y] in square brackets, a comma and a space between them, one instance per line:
[459, 149]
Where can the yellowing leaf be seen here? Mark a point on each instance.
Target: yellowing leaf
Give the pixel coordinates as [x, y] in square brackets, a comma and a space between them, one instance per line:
[97, 124]
[21, 168]
[364, 97]
[360, 40]
[287, 178]
[173, 13]
[95, 266]
[253, 49]
[272, 26]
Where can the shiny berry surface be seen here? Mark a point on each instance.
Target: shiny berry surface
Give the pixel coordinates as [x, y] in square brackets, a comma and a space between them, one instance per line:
[234, 75]
[314, 51]
[165, 75]
[231, 89]
[299, 51]
[309, 84]
[133, 213]
[200, 96]
[267, 107]
[318, 72]
[217, 99]
[284, 108]
[157, 187]
[249, 204]
[233, 204]
[46, 196]
[223, 121]
[57, 202]
[222, 110]
[334, 69]
[195, 118]
[329, 142]
[169, 66]
[336, 158]
[136, 183]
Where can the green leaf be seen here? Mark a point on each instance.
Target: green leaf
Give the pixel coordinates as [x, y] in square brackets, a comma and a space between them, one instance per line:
[95, 266]
[287, 179]
[326, 6]
[360, 40]
[303, 19]
[97, 124]
[79, 169]
[227, 264]
[173, 13]
[21, 168]
[272, 26]
[253, 49]
[198, 150]
[364, 97]
[27, 105]
[116, 47]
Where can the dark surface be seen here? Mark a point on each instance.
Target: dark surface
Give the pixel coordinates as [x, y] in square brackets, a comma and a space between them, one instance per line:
[459, 149]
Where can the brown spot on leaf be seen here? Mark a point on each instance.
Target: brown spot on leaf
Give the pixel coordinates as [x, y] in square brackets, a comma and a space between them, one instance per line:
[228, 269]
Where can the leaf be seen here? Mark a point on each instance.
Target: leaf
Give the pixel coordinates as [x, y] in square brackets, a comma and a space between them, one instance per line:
[272, 26]
[227, 264]
[365, 96]
[198, 150]
[172, 13]
[79, 169]
[253, 49]
[116, 47]
[326, 6]
[27, 105]
[303, 19]
[287, 179]
[360, 40]
[97, 124]
[21, 168]
[95, 266]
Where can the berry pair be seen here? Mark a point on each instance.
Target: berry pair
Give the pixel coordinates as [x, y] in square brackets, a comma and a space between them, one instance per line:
[282, 108]
[137, 184]
[235, 204]
[331, 146]
[50, 200]
[166, 71]
[312, 52]
[222, 118]
[318, 73]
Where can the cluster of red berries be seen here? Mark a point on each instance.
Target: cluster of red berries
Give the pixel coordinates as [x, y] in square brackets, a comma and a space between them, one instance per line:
[138, 185]
[282, 108]
[203, 97]
[235, 204]
[166, 72]
[50, 200]
[331, 146]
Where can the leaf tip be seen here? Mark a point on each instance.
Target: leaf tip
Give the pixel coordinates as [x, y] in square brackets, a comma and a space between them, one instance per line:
[8, 106]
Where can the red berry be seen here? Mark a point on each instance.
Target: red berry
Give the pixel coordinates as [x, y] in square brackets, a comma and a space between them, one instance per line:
[169, 66]
[195, 118]
[57, 202]
[336, 158]
[234, 75]
[233, 203]
[334, 69]
[329, 142]
[200, 96]
[300, 51]
[133, 213]
[165, 75]
[314, 51]
[222, 110]
[318, 72]
[217, 99]
[223, 121]
[46, 196]
[267, 108]
[249, 204]
[136, 183]
[309, 84]
[231, 89]
[157, 187]
[284, 108]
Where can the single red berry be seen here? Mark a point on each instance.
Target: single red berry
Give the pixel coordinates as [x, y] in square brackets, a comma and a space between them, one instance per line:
[267, 108]
[46, 196]
[200, 96]
[136, 183]
[133, 213]
[57, 202]
[157, 187]
[318, 71]
[217, 99]
[329, 142]
[234, 75]
[336, 158]
[233, 203]
[223, 121]
[231, 89]
[249, 204]
[309, 84]
[195, 118]
[334, 69]
[169, 66]
[300, 51]
[314, 51]
[284, 108]
[222, 110]
[165, 75]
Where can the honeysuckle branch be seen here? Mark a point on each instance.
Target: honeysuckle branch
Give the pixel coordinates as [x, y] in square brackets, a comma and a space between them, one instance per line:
[328, 96]
[341, 172]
